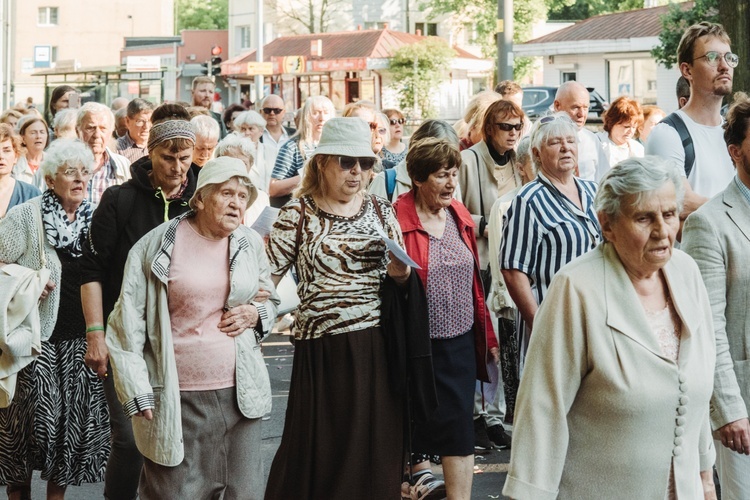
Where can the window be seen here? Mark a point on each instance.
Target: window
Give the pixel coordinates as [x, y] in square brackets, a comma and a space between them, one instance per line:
[244, 37]
[427, 29]
[568, 76]
[47, 16]
[375, 25]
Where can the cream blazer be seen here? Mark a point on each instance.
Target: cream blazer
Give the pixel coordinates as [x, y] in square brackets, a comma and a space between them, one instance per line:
[717, 236]
[600, 412]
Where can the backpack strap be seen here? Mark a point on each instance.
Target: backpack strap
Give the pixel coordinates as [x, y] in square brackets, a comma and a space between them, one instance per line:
[390, 182]
[676, 122]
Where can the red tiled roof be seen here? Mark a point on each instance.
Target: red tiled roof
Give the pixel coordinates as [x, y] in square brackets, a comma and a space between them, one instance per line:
[375, 44]
[630, 24]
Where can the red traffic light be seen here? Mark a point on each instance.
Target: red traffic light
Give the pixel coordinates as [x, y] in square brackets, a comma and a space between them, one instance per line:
[215, 50]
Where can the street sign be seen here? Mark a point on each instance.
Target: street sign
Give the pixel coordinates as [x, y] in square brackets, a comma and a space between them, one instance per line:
[136, 64]
[259, 68]
[42, 56]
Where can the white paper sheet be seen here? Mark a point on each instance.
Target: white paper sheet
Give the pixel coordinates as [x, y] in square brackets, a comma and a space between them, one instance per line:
[397, 251]
[265, 221]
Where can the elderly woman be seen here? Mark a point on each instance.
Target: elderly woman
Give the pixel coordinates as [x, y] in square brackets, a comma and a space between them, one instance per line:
[243, 149]
[293, 154]
[439, 235]
[207, 134]
[343, 435]
[550, 222]
[395, 151]
[489, 168]
[622, 120]
[250, 124]
[64, 124]
[184, 342]
[394, 182]
[614, 399]
[12, 192]
[34, 139]
[58, 421]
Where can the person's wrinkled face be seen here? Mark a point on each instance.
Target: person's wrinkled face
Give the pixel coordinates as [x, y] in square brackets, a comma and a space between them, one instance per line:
[70, 183]
[575, 102]
[437, 191]
[622, 132]
[204, 149]
[223, 209]
[273, 110]
[252, 132]
[35, 137]
[139, 126]
[558, 155]
[644, 234]
[203, 94]
[503, 139]
[8, 157]
[318, 117]
[95, 130]
[379, 133]
[396, 124]
[169, 169]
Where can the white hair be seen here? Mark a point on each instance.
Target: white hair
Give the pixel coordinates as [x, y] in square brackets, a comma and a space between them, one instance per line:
[234, 144]
[249, 118]
[555, 125]
[206, 127]
[95, 108]
[65, 119]
[66, 152]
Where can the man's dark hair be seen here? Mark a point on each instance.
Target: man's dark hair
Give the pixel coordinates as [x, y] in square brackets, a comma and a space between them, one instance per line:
[683, 88]
[170, 111]
[737, 120]
[137, 105]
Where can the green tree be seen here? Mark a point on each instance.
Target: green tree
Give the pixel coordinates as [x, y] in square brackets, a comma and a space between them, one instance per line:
[204, 15]
[417, 71]
[676, 21]
[735, 16]
[575, 10]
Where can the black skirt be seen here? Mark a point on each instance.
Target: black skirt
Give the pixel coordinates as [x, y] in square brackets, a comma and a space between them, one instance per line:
[343, 434]
[450, 430]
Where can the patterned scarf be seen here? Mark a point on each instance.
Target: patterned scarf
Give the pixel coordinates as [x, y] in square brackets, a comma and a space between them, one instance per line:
[61, 233]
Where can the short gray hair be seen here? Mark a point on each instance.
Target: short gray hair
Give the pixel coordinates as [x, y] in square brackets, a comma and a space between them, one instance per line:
[636, 177]
[209, 189]
[523, 152]
[249, 118]
[234, 145]
[555, 125]
[65, 119]
[95, 108]
[68, 152]
[206, 127]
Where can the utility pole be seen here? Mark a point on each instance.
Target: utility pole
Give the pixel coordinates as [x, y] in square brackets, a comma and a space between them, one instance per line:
[504, 40]
[259, 54]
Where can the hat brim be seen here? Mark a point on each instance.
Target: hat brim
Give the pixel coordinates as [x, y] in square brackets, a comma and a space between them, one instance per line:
[344, 150]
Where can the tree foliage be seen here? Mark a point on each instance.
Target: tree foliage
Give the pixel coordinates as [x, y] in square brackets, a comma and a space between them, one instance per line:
[575, 10]
[204, 15]
[310, 16]
[417, 71]
[675, 22]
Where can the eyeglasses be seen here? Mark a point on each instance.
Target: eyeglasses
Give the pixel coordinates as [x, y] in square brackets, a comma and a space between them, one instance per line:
[349, 162]
[374, 126]
[507, 127]
[272, 111]
[399, 121]
[74, 173]
[713, 57]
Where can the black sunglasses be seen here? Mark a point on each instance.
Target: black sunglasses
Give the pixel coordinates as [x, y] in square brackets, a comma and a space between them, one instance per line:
[272, 111]
[349, 162]
[507, 127]
[395, 121]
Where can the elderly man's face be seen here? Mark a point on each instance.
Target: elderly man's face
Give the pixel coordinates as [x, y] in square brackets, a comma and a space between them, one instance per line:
[275, 107]
[223, 209]
[169, 168]
[204, 149]
[643, 233]
[203, 94]
[575, 102]
[139, 126]
[95, 130]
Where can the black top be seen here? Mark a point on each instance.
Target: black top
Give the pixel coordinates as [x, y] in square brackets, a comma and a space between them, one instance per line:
[124, 215]
[70, 324]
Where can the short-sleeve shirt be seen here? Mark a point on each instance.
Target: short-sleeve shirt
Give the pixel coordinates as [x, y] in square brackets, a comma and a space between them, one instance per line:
[290, 159]
[341, 262]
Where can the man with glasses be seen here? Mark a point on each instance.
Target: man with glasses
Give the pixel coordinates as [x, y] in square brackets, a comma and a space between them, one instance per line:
[132, 145]
[707, 63]
[273, 110]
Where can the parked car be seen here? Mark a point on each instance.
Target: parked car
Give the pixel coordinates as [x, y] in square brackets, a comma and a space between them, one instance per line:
[539, 101]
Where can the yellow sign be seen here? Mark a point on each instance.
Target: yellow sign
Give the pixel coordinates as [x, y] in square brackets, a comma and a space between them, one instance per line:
[259, 68]
[500, 27]
[293, 64]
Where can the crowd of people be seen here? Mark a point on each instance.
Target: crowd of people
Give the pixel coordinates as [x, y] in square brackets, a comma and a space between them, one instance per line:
[586, 288]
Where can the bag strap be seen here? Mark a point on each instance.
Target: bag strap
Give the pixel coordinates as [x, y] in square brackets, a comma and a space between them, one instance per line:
[676, 122]
[390, 182]
[377, 210]
[482, 221]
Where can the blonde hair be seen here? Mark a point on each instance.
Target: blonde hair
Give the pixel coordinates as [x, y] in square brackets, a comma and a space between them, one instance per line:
[312, 180]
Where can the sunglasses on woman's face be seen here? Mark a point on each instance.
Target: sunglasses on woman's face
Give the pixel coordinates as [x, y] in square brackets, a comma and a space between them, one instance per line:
[349, 162]
[399, 121]
[507, 127]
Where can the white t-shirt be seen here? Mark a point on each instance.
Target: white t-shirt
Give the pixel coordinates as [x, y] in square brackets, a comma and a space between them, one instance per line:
[590, 155]
[615, 154]
[713, 168]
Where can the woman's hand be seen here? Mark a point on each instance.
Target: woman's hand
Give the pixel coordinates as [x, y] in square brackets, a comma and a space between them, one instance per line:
[709, 489]
[147, 414]
[736, 436]
[238, 319]
[397, 269]
[97, 353]
[47, 290]
[495, 351]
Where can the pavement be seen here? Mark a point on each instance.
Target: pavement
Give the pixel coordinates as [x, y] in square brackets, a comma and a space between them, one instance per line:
[489, 469]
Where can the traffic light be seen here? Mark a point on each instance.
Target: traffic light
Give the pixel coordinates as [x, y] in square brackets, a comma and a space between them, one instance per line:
[205, 68]
[215, 60]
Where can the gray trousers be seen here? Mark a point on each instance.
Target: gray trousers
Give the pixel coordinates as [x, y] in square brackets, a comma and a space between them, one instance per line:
[222, 453]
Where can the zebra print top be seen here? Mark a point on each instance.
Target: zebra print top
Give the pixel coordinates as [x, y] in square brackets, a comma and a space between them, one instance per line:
[340, 265]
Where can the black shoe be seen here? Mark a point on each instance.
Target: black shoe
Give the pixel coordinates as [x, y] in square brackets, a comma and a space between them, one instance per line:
[482, 441]
[499, 437]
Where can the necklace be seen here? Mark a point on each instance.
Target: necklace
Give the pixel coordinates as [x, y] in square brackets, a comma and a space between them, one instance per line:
[346, 208]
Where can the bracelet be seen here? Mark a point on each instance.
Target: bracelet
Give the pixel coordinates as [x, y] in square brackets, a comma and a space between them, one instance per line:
[95, 328]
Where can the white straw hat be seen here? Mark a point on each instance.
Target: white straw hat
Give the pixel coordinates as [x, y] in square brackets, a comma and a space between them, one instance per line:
[345, 137]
